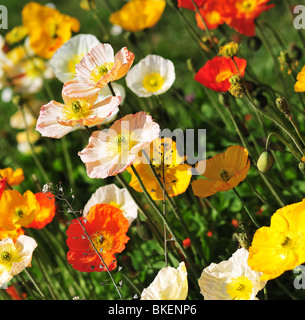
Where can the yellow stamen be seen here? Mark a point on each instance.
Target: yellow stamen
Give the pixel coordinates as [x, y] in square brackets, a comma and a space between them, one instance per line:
[153, 82]
[103, 241]
[240, 288]
[246, 5]
[8, 255]
[76, 110]
[100, 71]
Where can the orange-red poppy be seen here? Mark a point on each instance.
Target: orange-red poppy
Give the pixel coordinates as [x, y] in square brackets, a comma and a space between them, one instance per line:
[107, 227]
[45, 211]
[2, 186]
[215, 74]
[13, 177]
[223, 172]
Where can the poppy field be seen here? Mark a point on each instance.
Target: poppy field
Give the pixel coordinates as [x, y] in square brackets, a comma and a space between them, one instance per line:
[152, 150]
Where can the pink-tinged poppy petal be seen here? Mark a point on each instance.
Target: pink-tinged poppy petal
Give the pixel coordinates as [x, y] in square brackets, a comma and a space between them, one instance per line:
[111, 75]
[127, 58]
[79, 89]
[105, 156]
[47, 123]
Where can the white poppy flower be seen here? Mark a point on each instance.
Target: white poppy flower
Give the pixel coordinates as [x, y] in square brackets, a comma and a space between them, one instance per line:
[169, 284]
[232, 279]
[153, 75]
[69, 54]
[120, 198]
[15, 257]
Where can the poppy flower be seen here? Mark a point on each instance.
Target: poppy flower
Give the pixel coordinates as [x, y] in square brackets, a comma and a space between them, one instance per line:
[107, 228]
[2, 186]
[177, 174]
[281, 246]
[137, 15]
[153, 75]
[13, 177]
[69, 54]
[215, 74]
[169, 284]
[97, 68]
[113, 195]
[233, 279]
[188, 4]
[15, 257]
[45, 211]
[212, 14]
[242, 14]
[300, 83]
[48, 28]
[111, 151]
[17, 210]
[223, 172]
[57, 119]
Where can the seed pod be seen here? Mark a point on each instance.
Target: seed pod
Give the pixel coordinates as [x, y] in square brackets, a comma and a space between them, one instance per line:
[302, 167]
[265, 161]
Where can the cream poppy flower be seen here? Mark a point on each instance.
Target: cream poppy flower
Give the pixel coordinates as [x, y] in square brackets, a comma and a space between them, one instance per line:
[119, 198]
[153, 75]
[97, 68]
[15, 257]
[69, 54]
[169, 284]
[231, 280]
[111, 151]
[57, 119]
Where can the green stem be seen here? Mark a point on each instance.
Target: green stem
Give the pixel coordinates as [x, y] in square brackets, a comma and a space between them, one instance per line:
[34, 283]
[246, 208]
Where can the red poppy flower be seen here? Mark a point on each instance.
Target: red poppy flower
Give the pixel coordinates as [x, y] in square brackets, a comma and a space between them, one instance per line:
[107, 227]
[188, 4]
[213, 15]
[215, 74]
[45, 212]
[242, 14]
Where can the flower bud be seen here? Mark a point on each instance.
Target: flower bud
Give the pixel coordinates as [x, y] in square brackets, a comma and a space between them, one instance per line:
[302, 167]
[229, 50]
[265, 161]
[282, 105]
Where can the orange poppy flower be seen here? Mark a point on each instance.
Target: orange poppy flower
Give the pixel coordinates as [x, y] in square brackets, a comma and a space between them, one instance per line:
[2, 186]
[212, 15]
[12, 177]
[215, 74]
[17, 210]
[46, 211]
[242, 14]
[223, 172]
[176, 173]
[107, 227]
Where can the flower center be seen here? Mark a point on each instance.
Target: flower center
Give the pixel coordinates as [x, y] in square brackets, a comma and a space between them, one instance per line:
[103, 241]
[19, 212]
[8, 255]
[76, 110]
[246, 5]
[225, 175]
[74, 61]
[286, 242]
[100, 71]
[123, 142]
[213, 17]
[240, 288]
[153, 82]
[223, 75]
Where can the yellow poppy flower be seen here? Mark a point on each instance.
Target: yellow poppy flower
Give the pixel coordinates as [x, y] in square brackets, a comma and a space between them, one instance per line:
[137, 15]
[17, 210]
[48, 28]
[281, 246]
[223, 172]
[300, 84]
[177, 175]
[13, 178]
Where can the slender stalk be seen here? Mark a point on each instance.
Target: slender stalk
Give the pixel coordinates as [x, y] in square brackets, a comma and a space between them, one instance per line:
[164, 209]
[246, 209]
[34, 283]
